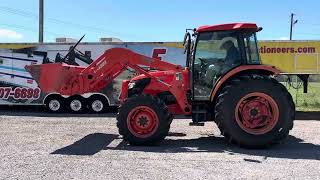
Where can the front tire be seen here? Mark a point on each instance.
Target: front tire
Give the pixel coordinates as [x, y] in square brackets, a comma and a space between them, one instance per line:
[143, 120]
[254, 111]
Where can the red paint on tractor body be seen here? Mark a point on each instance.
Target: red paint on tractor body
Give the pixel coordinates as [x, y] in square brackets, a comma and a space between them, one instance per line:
[227, 27]
[169, 81]
[71, 80]
[142, 121]
[257, 113]
[124, 91]
[263, 69]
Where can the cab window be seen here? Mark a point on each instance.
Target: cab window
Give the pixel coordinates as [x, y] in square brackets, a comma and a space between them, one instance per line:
[215, 54]
[252, 53]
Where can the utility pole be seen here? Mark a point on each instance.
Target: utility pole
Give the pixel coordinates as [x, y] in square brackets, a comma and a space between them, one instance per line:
[40, 21]
[292, 23]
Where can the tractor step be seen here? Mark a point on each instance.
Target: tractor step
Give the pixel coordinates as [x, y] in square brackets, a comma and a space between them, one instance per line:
[199, 114]
[199, 111]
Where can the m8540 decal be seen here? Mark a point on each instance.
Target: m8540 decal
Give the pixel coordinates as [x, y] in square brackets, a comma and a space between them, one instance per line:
[19, 93]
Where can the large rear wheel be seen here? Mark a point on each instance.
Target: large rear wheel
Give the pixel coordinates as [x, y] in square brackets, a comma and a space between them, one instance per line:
[143, 120]
[254, 111]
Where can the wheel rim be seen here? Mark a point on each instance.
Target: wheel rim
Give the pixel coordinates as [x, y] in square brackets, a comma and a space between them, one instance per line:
[142, 121]
[97, 105]
[54, 105]
[75, 105]
[257, 113]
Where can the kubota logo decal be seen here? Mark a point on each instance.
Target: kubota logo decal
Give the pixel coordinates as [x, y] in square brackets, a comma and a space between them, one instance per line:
[100, 66]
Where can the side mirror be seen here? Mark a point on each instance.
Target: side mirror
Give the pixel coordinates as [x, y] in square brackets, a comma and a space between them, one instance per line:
[186, 36]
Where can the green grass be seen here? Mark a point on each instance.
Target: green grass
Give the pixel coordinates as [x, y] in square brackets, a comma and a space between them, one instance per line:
[309, 101]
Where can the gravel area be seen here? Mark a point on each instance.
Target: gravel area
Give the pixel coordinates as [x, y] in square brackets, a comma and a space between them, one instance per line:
[45, 146]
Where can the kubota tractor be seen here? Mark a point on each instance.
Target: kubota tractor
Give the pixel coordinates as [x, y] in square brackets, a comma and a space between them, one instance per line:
[223, 81]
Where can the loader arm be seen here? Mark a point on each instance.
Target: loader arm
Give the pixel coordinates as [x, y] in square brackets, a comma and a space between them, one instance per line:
[71, 80]
[98, 74]
[110, 65]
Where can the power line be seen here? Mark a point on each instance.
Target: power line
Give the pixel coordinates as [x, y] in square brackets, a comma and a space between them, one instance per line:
[18, 12]
[90, 28]
[311, 34]
[309, 24]
[26, 28]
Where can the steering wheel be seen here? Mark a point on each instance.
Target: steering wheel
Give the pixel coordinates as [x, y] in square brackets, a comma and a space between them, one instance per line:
[203, 62]
[203, 67]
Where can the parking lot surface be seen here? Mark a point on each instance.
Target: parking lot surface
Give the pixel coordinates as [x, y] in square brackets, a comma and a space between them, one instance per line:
[45, 146]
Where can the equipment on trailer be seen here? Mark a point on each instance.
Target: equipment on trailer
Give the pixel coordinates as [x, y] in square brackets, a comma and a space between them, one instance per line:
[223, 81]
[73, 53]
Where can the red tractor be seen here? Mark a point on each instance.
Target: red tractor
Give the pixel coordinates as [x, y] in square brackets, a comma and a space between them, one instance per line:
[223, 81]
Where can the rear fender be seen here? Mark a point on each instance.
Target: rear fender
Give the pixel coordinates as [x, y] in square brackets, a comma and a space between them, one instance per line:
[246, 69]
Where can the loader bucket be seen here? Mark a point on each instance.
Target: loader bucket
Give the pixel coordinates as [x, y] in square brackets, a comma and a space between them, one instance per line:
[52, 77]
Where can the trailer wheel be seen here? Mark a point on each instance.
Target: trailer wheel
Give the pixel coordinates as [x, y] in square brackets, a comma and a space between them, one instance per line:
[254, 111]
[54, 103]
[98, 104]
[76, 104]
[143, 120]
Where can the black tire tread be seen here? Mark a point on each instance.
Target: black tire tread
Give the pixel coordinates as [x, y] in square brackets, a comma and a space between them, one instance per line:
[98, 97]
[163, 128]
[57, 97]
[220, 119]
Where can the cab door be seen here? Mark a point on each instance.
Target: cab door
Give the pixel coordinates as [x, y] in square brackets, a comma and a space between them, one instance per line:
[215, 54]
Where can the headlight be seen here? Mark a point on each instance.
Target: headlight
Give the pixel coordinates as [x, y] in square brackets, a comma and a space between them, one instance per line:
[131, 85]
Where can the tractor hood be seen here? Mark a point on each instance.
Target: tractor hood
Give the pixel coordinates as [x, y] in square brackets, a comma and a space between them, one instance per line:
[160, 81]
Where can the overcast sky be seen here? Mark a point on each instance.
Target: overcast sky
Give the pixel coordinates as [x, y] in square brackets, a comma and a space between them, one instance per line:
[152, 20]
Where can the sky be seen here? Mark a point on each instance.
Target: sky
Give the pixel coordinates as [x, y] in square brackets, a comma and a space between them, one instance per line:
[153, 20]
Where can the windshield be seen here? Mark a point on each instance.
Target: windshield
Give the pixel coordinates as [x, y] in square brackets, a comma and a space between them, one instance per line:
[210, 44]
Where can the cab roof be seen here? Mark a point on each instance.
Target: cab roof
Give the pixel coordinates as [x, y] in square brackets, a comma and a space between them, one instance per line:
[226, 27]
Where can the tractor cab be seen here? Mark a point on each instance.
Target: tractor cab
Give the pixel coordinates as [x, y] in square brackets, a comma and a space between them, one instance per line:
[215, 50]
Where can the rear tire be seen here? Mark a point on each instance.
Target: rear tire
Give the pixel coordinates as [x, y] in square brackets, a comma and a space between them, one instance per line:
[254, 111]
[55, 104]
[143, 120]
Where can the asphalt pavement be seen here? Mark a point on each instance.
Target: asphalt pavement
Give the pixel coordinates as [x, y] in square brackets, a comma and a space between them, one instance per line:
[36, 145]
